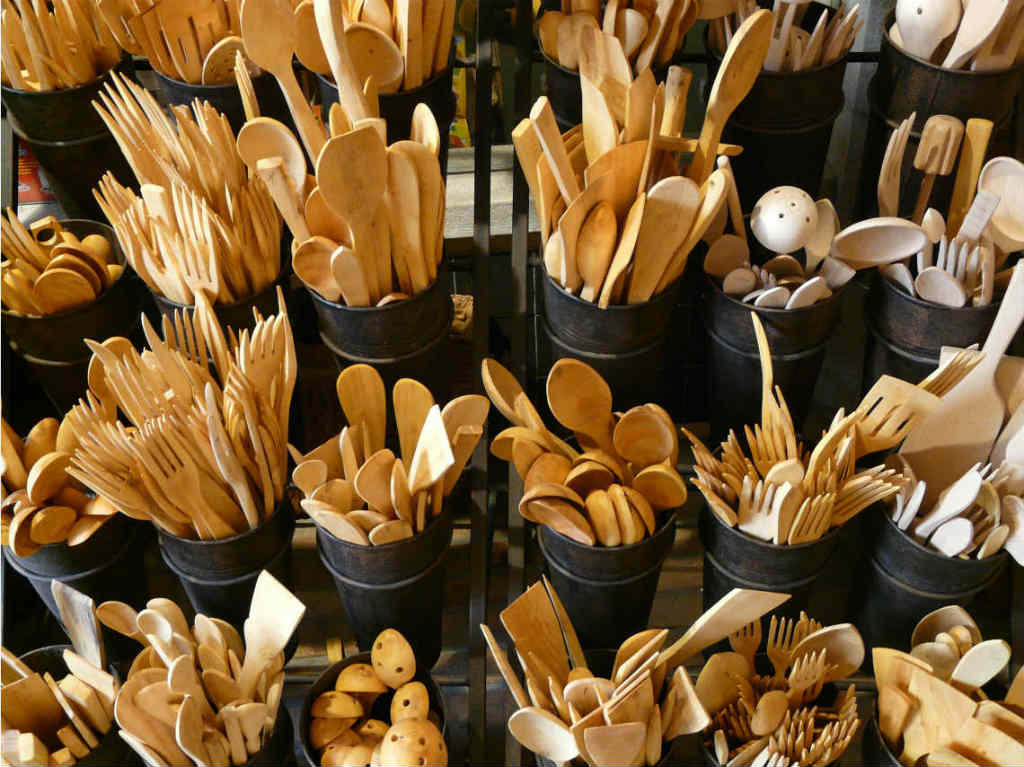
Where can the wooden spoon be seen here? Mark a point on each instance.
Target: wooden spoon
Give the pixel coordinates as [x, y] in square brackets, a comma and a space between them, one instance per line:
[543, 733]
[330, 24]
[595, 247]
[269, 31]
[878, 241]
[311, 261]
[374, 54]
[671, 206]
[736, 75]
[844, 646]
[582, 401]
[940, 287]
[976, 26]
[980, 664]
[611, 290]
[264, 137]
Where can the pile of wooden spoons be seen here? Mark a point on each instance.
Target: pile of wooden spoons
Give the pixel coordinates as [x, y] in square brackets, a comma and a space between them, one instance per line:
[612, 492]
[49, 270]
[793, 48]
[987, 37]
[42, 504]
[777, 719]
[346, 733]
[566, 712]
[54, 721]
[930, 703]
[784, 495]
[201, 225]
[206, 455]
[978, 515]
[617, 222]
[45, 50]
[370, 230]
[359, 490]
[636, 36]
[400, 44]
[201, 695]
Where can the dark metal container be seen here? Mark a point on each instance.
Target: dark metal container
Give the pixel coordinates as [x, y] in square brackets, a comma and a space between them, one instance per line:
[68, 138]
[797, 339]
[398, 585]
[608, 592]
[226, 98]
[58, 337]
[903, 84]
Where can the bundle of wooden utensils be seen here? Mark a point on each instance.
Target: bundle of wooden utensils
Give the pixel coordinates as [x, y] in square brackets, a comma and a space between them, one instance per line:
[54, 721]
[632, 37]
[203, 696]
[979, 514]
[781, 719]
[617, 222]
[344, 729]
[201, 224]
[785, 496]
[206, 452]
[567, 713]
[190, 42]
[371, 231]
[359, 490]
[930, 702]
[49, 270]
[46, 50]
[784, 220]
[988, 37]
[401, 44]
[612, 492]
[42, 504]
[793, 48]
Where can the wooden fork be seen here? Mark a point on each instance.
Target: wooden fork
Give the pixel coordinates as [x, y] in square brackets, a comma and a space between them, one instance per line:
[806, 678]
[747, 640]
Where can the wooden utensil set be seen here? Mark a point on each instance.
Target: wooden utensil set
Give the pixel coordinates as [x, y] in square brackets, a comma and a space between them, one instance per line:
[988, 37]
[54, 721]
[344, 730]
[401, 44]
[633, 37]
[776, 719]
[359, 490]
[782, 495]
[370, 231]
[205, 455]
[930, 702]
[44, 505]
[565, 712]
[977, 516]
[49, 270]
[963, 269]
[616, 222]
[793, 48]
[193, 41]
[784, 220]
[46, 50]
[612, 492]
[201, 225]
[203, 696]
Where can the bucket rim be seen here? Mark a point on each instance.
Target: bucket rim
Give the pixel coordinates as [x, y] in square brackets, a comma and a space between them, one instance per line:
[890, 19]
[280, 280]
[203, 87]
[997, 560]
[281, 507]
[447, 72]
[767, 545]
[387, 586]
[782, 75]
[551, 561]
[231, 578]
[19, 566]
[665, 296]
[888, 286]
[115, 249]
[771, 311]
[125, 57]
[667, 524]
[420, 297]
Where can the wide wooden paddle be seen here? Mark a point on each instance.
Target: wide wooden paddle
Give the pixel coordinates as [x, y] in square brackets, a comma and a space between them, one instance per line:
[671, 206]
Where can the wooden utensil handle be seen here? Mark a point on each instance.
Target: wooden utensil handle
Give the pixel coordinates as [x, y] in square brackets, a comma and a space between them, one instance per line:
[1008, 320]
[923, 196]
[310, 130]
[285, 198]
[972, 155]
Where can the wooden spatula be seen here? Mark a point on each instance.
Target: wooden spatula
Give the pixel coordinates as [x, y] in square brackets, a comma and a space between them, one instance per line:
[273, 616]
[936, 155]
[740, 67]
[972, 157]
[671, 206]
[961, 430]
[78, 614]
[976, 26]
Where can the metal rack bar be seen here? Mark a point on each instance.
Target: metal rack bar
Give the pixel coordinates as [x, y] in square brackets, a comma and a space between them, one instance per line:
[480, 554]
